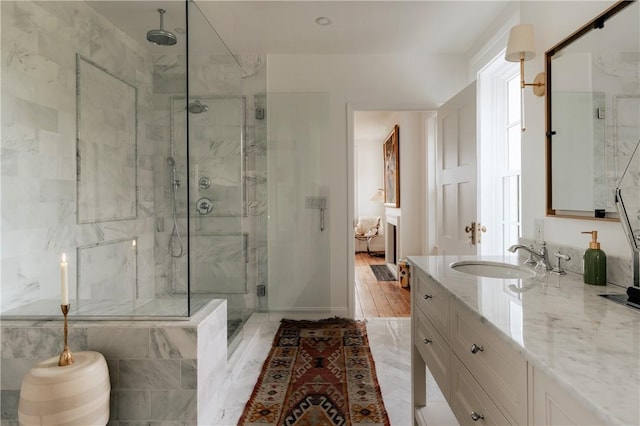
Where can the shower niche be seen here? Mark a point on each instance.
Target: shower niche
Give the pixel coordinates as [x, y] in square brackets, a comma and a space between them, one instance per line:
[106, 125]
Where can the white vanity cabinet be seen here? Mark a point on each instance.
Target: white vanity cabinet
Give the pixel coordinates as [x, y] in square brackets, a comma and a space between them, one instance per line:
[483, 380]
[502, 358]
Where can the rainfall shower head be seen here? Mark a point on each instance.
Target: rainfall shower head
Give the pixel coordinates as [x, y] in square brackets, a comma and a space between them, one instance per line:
[161, 37]
[197, 107]
[171, 162]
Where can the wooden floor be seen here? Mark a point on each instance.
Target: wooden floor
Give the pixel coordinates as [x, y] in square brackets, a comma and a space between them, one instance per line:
[378, 298]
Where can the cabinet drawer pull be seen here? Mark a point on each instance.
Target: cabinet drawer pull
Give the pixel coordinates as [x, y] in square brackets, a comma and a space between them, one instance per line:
[427, 341]
[427, 296]
[476, 416]
[475, 349]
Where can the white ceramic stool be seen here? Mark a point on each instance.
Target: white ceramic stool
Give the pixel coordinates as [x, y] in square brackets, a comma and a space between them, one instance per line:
[76, 394]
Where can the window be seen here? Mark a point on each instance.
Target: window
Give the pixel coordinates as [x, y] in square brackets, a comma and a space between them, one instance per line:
[499, 155]
[509, 172]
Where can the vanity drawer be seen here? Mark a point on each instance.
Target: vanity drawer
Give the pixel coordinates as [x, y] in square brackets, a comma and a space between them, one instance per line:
[433, 300]
[498, 367]
[469, 402]
[433, 349]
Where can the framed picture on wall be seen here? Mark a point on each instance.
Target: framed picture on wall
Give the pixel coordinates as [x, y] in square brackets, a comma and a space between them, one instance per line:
[391, 155]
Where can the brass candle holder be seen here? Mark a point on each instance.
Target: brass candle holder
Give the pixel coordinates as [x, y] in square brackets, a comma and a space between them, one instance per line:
[66, 357]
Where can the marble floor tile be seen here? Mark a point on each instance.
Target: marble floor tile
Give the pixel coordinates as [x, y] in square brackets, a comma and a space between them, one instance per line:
[389, 339]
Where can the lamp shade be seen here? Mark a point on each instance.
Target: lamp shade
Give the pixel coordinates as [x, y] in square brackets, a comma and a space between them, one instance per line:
[521, 43]
[378, 197]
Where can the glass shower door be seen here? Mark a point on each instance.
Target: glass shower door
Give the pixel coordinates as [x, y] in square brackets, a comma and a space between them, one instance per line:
[298, 198]
[218, 242]
[214, 114]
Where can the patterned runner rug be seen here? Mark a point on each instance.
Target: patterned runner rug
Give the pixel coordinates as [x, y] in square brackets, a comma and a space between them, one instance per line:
[318, 373]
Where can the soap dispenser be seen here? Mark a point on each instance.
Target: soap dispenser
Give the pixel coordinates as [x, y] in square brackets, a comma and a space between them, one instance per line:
[595, 262]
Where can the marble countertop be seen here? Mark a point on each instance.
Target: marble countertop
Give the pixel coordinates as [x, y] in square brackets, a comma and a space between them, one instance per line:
[588, 345]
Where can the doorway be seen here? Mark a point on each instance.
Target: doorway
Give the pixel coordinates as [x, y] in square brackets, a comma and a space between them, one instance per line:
[402, 228]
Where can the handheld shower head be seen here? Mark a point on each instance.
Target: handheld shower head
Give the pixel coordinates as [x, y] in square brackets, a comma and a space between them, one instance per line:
[175, 182]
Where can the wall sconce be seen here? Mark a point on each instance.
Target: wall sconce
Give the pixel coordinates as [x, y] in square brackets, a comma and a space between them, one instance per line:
[521, 48]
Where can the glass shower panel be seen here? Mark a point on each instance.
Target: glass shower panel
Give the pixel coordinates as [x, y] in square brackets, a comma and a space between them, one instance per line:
[298, 196]
[218, 243]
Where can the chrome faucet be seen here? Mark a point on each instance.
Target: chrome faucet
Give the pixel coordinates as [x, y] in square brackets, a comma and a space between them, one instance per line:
[540, 256]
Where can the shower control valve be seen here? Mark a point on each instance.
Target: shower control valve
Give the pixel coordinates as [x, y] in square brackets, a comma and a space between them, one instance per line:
[204, 206]
[204, 183]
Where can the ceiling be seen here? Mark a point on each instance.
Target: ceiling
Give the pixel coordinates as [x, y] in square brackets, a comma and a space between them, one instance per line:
[288, 27]
[366, 27]
[369, 125]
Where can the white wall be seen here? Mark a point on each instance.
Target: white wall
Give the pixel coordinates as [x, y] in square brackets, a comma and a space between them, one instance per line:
[553, 21]
[368, 178]
[412, 183]
[359, 82]
[390, 82]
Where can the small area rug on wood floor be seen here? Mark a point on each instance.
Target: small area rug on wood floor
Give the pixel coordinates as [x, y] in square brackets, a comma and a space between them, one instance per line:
[318, 373]
[382, 273]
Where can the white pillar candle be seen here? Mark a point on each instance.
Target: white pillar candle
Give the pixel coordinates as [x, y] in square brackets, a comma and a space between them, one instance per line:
[64, 284]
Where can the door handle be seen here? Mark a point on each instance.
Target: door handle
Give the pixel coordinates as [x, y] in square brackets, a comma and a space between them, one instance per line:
[471, 229]
[476, 230]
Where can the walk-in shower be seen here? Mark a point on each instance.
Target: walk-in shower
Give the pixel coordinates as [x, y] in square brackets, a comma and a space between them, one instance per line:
[139, 125]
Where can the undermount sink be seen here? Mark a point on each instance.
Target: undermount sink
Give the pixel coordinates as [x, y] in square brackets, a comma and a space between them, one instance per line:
[485, 268]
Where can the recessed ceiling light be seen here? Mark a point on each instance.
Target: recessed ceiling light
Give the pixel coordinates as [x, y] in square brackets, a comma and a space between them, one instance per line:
[323, 20]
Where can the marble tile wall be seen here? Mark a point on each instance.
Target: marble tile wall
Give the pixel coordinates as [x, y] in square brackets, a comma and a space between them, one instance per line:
[617, 72]
[619, 269]
[39, 44]
[40, 41]
[166, 372]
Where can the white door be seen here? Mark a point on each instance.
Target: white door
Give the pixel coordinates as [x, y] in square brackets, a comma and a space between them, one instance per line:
[456, 177]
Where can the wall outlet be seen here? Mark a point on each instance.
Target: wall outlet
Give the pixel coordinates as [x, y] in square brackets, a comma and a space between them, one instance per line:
[538, 230]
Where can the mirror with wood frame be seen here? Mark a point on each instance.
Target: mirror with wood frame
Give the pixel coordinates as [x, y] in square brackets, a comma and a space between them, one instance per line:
[592, 112]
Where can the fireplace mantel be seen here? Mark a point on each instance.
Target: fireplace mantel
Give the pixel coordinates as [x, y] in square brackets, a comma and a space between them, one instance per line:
[392, 241]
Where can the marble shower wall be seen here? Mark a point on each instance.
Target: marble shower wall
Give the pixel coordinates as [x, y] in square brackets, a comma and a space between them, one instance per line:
[617, 73]
[40, 41]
